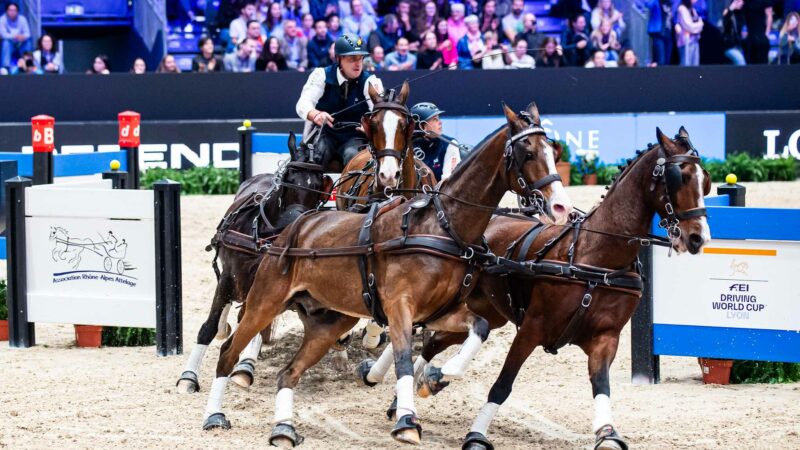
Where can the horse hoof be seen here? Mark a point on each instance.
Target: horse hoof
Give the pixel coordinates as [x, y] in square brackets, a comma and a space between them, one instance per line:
[340, 361]
[222, 335]
[284, 436]
[408, 430]
[608, 439]
[187, 383]
[216, 420]
[476, 441]
[362, 370]
[391, 413]
[242, 374]
[430, 383]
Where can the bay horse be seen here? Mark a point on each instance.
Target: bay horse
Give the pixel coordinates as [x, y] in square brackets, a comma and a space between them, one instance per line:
[580, 284]
[419, 259]
[263, 206]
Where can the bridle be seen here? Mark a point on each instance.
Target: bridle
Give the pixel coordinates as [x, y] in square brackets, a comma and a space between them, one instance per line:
[388, 103]
[668, 171]
[515, 157]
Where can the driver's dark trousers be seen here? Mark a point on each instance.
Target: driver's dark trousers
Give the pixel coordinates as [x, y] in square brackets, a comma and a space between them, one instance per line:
[341, 145]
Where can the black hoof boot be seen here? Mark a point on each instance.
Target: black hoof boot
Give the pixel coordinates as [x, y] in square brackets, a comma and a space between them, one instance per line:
[430, 383]
[187, 383]
[392, 411]
[284, 435]
[384, 338]
[243, 373]
[362, 370]
[476, 441]
[216, 420]
[408, 430]
[608, 439]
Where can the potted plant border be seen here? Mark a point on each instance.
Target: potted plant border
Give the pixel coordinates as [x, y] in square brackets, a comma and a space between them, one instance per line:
[587, 165]
[88, 336]
[715, 371]
[3, 312]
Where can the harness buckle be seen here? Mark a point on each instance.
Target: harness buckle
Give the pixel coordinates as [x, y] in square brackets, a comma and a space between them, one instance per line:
[387, 191]
[521, 182]
[658, 170]
[469, 253]
[368, 223]
[426, 189]
[605, 279]
[467, 280]
[587, 300]
[371, 279]
[440, 215]
[668, 207]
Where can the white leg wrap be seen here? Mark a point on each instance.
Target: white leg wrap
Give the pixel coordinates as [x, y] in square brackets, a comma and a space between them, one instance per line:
[457, 365]
[373, 335]
[215, 396]
[284, 403]
[405, 396]
[602, 412]
[484, 419]
[252, 349]
[381, 366]
[223, 320]
[193, 363]
[419, 366]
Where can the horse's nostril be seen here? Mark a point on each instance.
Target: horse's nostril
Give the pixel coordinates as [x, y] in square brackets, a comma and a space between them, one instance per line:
[695, 239]
[558, 208]
[397, 175]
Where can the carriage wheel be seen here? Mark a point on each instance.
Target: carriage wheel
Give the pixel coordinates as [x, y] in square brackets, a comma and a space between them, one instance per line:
[120, 267]
[107, 264]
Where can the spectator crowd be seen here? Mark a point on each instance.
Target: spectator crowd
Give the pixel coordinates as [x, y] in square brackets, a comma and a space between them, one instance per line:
[435, 34]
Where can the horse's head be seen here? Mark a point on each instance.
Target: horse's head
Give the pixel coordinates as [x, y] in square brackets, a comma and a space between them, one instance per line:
[389, 127]
[530, 159]
[303, 179]
[680, 184]
[53, 231]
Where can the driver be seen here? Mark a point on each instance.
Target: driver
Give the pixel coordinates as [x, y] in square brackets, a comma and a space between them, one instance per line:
[328, 91]
[441, 153]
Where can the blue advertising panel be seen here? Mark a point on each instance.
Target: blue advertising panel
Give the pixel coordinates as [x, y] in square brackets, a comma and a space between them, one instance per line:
[613, 137]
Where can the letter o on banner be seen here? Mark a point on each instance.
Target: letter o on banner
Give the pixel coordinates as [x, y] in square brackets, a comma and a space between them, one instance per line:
[43, 137]
[129, 129]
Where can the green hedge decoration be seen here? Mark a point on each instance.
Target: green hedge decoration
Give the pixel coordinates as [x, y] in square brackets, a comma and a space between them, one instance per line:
[3, 306]
[197, 180]
[744, 372]
[128, 337]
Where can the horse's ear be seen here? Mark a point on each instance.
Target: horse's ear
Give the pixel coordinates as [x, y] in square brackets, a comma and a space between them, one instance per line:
[683, 133]
[534, 112]
[292, 144]
[327, 187]
[511, 117]
[665, 142]
[374, 95]
[404, 90]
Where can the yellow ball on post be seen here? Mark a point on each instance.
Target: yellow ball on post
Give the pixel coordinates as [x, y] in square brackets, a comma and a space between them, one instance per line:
[115, 165]
[247, 123]
[731, 178]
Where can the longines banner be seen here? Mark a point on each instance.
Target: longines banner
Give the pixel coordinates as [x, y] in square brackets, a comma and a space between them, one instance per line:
[767, 134]
[184, 144]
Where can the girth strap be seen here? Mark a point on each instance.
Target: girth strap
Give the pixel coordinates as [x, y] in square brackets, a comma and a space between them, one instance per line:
[574, 323]
[369, 291]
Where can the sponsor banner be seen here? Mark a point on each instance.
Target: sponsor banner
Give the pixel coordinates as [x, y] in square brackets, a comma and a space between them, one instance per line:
[185, 144]
[733, 284]
[768, 134]
[612, 137]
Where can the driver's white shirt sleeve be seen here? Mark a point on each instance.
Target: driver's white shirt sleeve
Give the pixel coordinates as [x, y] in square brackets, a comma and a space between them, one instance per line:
[311, 93]
[315, 87]
[452, 156]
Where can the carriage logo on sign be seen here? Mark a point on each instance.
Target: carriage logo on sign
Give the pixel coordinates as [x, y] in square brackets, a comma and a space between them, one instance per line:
[100, 258]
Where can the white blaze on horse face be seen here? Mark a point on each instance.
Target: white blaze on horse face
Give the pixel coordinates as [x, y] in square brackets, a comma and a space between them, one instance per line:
[705, 230]
[389, 164]
[560, 203]
[602, 412]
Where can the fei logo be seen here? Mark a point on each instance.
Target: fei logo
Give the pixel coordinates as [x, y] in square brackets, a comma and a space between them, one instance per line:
[739, 287]
[791, 147]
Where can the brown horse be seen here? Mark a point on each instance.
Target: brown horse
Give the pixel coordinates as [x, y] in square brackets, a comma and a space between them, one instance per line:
[395, 165]
[270, 203]
[418, 257]
[590, 304]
